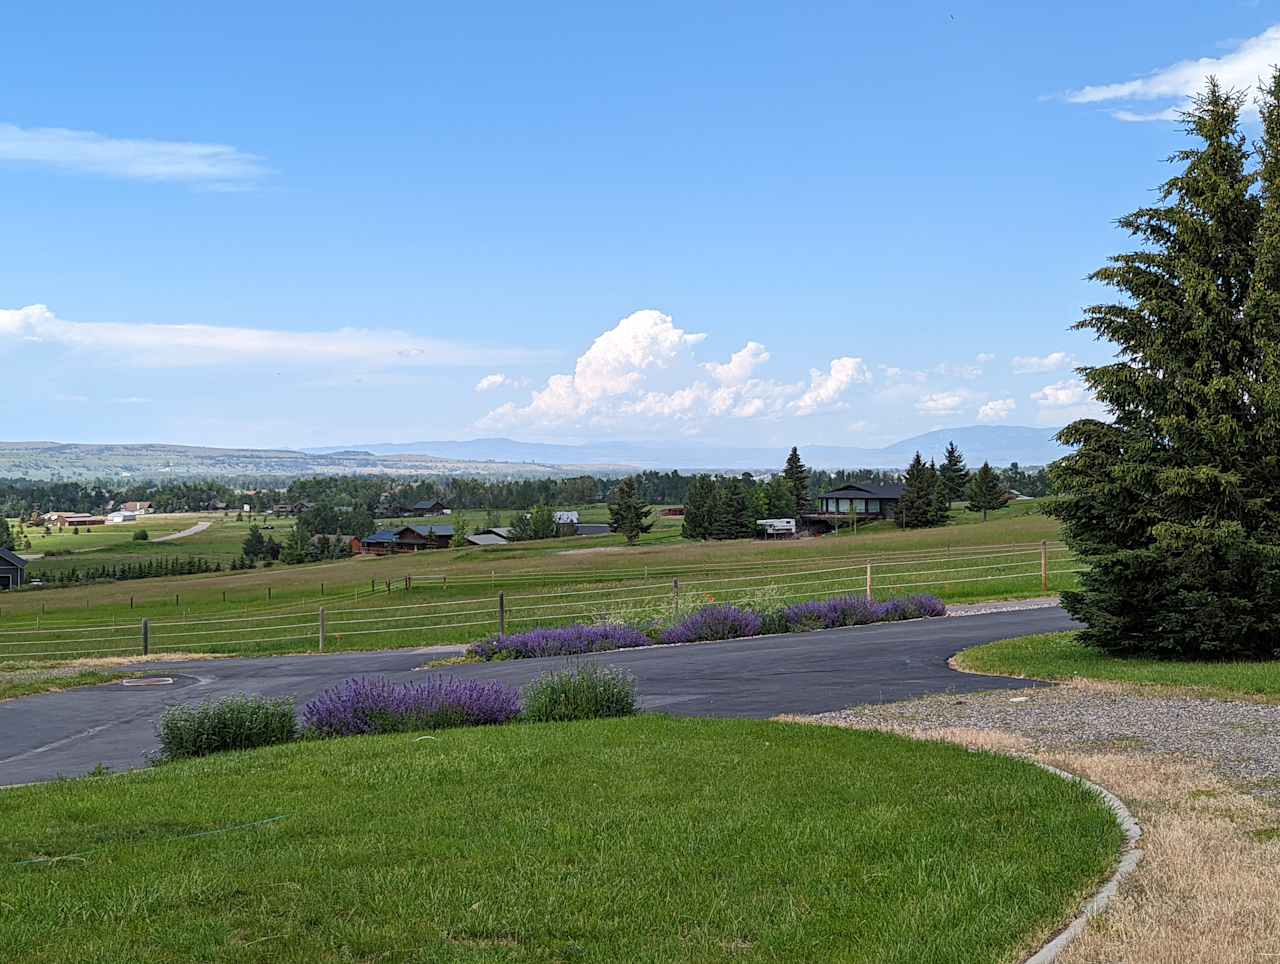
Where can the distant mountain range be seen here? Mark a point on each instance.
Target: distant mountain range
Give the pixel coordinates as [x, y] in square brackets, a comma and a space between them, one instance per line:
[500, 457]
[997, 444]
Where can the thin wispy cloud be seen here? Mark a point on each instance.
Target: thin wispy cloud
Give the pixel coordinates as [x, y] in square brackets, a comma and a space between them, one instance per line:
[190, 346]
[1052, 362]
[210, 165]
[1239, 68]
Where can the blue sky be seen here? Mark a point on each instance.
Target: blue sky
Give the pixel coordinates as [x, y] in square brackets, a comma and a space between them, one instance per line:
[756, 223]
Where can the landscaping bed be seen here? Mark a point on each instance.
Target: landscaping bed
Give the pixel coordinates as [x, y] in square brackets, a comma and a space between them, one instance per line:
[635, 839]
[709, 623]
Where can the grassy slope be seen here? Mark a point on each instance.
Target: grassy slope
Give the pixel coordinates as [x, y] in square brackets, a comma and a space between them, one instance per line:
[525, 571]
[113, 545]
[645, 839]
[553, 557]
[1059, 656]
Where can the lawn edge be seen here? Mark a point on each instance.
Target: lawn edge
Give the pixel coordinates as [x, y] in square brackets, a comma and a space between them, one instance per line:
[1130, 857]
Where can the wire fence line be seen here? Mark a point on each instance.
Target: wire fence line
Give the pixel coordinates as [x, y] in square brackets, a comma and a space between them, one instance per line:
[427, 582]
[464, 620]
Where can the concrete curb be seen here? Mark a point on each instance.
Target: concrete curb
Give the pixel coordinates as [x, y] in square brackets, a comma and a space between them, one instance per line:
[1129, 860]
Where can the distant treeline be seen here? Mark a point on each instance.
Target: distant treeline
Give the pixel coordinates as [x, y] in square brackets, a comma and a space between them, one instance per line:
[382, 496]
[145, 569]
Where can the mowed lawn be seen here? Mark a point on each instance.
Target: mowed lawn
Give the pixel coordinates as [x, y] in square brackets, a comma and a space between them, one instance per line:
[1061, 656]
[642, 839]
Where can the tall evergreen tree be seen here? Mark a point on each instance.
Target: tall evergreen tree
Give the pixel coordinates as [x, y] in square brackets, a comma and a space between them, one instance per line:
[697, 509]
[780, 500]
[6, 534]
[797, 476]
[1174, 504]
[913, 505]
[255, 546]
[955, 474]
[985, 491]
[628, 513]
[939, 500]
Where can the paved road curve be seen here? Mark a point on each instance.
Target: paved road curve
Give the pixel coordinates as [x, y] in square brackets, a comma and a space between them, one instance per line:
[67, 734]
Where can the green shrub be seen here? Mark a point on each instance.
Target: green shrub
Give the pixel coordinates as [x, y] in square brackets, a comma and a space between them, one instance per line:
[142, 535]
[585, 692]
[232, 723]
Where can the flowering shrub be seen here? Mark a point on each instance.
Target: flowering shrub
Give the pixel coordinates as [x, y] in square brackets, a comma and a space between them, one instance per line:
[379, 705]
[715, 622]
[562, 641]
[857, 611]
[586, 692]
[231, 723]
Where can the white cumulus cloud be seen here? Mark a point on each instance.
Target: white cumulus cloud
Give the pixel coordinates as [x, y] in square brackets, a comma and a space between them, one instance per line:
[740, 364]
[1071, 391]
[142, 159]
[1239, 68]
[998, 410]
[615, 365]
[942, 403]
[825, 388]
[186, 346]
[1052, 362]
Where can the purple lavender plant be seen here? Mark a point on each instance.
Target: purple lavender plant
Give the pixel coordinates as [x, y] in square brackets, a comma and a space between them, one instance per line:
[857, 611]
[375, 704]
[560, 641]
[715, 622]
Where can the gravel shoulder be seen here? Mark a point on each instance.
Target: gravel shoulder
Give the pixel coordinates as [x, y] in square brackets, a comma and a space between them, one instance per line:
[1239, 740]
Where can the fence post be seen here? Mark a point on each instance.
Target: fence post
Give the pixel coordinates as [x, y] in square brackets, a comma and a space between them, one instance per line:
[1044, 565]
[869, 596]
[322, 629]
[146, 637]
[675, 596]
[502, 615]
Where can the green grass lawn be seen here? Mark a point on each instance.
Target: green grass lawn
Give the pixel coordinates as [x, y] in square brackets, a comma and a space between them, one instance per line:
[1060, 656]
[642, 839]
[14, 684]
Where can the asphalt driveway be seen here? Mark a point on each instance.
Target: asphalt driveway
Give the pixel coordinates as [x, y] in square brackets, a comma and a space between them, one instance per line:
[70, 733]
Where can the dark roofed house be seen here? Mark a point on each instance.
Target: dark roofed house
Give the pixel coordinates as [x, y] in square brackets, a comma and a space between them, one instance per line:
[13, 569]
[424, 507]
[407, 539]
[865, 500]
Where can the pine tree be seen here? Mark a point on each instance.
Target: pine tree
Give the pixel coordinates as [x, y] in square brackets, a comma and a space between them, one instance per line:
[720, 512]
[797, 476]
[780, 500]
[985, 491]
[913, 505]
[460, 532]
[1174, 505]
[697, 514]
[254, 545]
[628, 513]
[939, 500]
[6, 534]
[955, 474]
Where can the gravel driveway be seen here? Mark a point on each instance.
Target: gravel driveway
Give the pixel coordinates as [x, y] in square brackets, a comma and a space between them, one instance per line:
[1240, 740]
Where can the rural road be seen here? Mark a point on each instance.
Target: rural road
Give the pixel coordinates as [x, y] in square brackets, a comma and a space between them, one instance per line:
[194, 530]
[69, 733]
